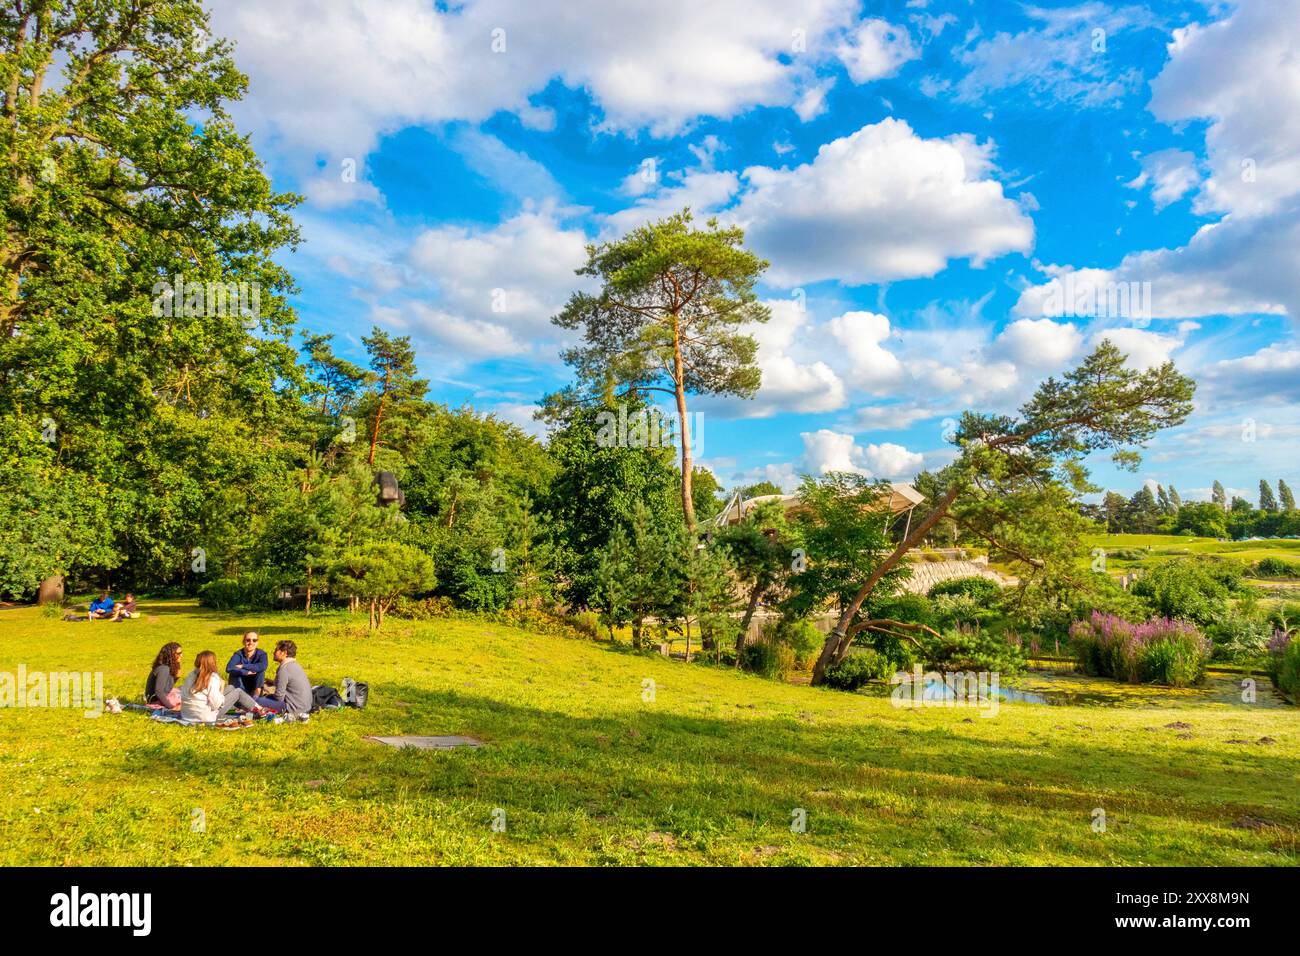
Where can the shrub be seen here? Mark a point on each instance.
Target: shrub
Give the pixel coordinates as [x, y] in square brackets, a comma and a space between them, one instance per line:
[909, 608]
[256, 591]
[1193, 590]
[857, 669]
[1284, 663]
[533, 619]
[1275, 568]
[423, 609]
[1126, 554]
[1160, 651]
[979, 588]
[954, 610]
[1285, 617]
[586, 622]
[802, 637]
[760, 658]
[1239, 636]
[971, 649]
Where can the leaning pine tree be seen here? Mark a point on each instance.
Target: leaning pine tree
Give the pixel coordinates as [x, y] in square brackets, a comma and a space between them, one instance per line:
[1102, 404]
[669, 317]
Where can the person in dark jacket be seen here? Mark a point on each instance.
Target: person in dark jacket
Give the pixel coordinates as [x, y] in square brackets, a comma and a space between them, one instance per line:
[160, 688]
[247, 667]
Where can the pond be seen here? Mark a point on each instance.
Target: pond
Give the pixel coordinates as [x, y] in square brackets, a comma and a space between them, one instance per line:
[1060, 685]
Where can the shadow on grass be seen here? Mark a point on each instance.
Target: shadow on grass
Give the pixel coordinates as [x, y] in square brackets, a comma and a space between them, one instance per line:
[679, 772]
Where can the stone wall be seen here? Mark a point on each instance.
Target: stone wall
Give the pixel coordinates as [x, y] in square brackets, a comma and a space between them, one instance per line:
[926, 574]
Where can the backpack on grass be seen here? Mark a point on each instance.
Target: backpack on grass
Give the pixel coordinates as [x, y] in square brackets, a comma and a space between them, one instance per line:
[355, 693]
[325, 698]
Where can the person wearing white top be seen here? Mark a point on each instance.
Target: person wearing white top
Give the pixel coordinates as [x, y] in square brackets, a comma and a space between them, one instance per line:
[204, 696]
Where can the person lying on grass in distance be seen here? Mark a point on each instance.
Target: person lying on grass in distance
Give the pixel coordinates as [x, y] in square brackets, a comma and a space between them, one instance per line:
[204, 696]
[161, 687]
[292, 694]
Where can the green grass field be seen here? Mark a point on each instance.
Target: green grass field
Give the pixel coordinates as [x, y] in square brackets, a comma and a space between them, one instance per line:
[1163, 547]
[588, 772]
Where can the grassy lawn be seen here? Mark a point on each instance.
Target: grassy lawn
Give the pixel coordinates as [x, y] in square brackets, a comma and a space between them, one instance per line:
[588, 772]
[1166, 546]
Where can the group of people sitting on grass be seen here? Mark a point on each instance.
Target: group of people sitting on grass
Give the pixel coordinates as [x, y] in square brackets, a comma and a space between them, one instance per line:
[204, 697]
[104, 608]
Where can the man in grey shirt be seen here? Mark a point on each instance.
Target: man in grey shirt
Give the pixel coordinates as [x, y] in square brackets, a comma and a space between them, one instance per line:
[292, 694]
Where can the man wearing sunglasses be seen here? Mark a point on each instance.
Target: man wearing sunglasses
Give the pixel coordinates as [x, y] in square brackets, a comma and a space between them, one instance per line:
[247, 667]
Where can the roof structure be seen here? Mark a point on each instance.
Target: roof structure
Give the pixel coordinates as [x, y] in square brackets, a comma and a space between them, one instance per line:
[901, 497]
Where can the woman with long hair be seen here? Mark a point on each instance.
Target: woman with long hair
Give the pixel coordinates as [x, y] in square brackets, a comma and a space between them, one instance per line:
[204, 696]
[161, 688]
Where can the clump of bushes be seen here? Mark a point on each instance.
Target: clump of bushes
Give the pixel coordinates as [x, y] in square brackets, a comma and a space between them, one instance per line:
[587, 622]
[1284, 663]
[859, 668]
[1239, 636]
[977, 588]
[768, 659]
[255, 591]
[1127, 554]
[971, 649]
[422, 609]
[1193, 590]
[1271, 567]
[787, 644]
[909, 608]
[1159, 651]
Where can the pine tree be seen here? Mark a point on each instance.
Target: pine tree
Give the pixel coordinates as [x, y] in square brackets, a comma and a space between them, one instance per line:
[1113, 506]
[671, 316]
[397, 389]
[1266, 500]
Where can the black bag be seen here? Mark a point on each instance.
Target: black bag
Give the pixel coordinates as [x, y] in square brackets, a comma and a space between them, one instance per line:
[325, 698]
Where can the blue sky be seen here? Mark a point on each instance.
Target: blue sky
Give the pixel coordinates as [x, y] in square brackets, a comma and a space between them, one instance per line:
[924, 177]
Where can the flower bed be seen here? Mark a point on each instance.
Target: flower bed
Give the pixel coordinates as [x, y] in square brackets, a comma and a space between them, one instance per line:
[1158, 651]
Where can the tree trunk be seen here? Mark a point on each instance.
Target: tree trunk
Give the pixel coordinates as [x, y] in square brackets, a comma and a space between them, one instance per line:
[372, 614]
[684, 428]
[838, 641]
[51, 590]
[379, 415]
[754, 595]
[307, 609]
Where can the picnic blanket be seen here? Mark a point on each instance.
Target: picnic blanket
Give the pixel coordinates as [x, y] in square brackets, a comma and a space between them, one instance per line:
[228, 722]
